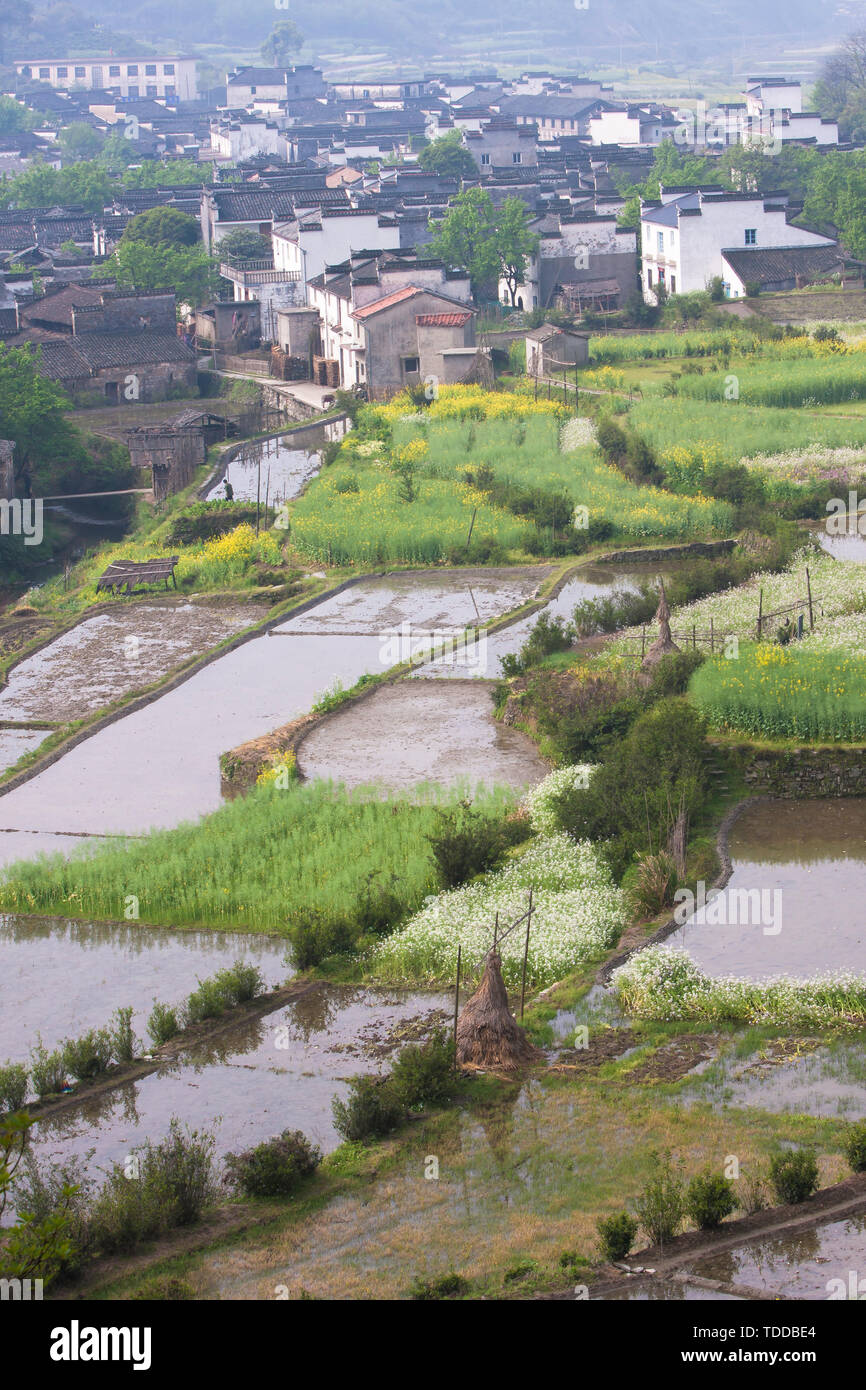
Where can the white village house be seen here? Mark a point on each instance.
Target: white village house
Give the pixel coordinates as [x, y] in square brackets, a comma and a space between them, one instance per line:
[685, 235]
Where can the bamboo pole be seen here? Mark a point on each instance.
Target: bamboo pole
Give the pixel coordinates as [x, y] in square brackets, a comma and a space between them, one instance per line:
[525, 956]
[456, 1002]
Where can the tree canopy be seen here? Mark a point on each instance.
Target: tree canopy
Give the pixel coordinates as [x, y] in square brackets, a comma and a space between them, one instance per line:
[487, 242]
[449, 156]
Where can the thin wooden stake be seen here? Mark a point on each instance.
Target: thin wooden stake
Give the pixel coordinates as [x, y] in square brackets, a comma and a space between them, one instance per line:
[456, 1002]
[760, 614]
[712, 637]
[809, 593]
[471, 524]
[525, 956]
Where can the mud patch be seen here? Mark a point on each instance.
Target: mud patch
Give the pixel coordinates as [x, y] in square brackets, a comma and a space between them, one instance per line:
[114, 653]
[416, 732]
[603, 1047]
[673, 1061]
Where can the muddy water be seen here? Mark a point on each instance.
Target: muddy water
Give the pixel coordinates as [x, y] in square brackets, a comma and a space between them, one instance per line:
[267, 1075]
[843, 547]
[483, 659]
[271, 469]
[411, 732]
[801, 1266]
[804, 863]
[160, 765]
[667, 1291]
[14, 743]
[61, 978]
[787, 1076]
[114, 653]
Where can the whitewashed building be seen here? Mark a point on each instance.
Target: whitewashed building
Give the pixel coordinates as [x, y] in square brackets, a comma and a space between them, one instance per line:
[167, 78]
[329, 236]
[684, 237]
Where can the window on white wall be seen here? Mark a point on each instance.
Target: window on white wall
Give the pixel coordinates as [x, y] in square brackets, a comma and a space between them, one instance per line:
[751, 236]
[660, 241]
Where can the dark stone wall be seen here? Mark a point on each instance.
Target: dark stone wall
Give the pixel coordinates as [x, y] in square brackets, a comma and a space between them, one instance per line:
[800, 773]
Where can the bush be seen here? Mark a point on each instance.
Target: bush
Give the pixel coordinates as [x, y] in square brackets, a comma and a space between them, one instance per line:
[239, 983]
[87, 1056]
[315, 936]
[855, 1146]
[163, 1024]
[124, 1043]
[646, 779]
[447, 1286]
[661, 1204]
[548, 635]
[467, 843]
[616, 1235]
[13, 1086]
[425, 1074]
[794, 1176]
[51, 1191]
[125, 1213]
[655, 884]
[275, 1168]
[208, 1001]
[47, 1071]
[370, 1111]
[179, 1171]
[709, 1199]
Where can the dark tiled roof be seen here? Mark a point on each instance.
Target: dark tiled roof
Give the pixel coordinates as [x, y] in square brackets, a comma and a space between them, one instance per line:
[779, 263]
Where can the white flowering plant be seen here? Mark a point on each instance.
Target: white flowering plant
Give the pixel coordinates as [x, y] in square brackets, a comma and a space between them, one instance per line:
[540, 798]
[578, 914]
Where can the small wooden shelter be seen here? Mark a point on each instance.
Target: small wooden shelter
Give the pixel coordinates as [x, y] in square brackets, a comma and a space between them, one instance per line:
[128, 575]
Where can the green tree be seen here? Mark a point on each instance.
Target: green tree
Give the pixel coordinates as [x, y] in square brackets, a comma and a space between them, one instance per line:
[79, 141]
[515, 243]
[840, 91]
[244, 245]
[14, 117]
[162, 227]
[466, 237]
[284, 39]
[32, 409]
[188, 270]
[448, 156]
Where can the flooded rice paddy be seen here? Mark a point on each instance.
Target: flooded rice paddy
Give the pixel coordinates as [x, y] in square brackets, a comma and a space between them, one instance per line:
[114, 653]
[66, 977]
[793, 904]
[812, 1264]
[14, 743]
[271, 469]
[787, 1076]
[263, 1076]
[409, 732]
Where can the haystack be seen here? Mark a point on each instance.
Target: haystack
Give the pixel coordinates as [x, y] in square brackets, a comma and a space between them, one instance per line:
[487, 1035]
[664, 643]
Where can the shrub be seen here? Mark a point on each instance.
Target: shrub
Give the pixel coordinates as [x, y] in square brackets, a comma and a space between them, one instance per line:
[425, 1074]
[753, 1193]
[370, 1110]
[208, 1001]
[316, 935]
[13, 1086]
[53, 1191]
[794, 1175]
[239, 983]
[661, 1204]
[275, 1168]
[179, 1172]
[124, 1043]
[87, 1056]
[655, 884]
[47, 1071]
[163, 1023]
[125, 1213]
[548, 635]
[446, 1286]
[709, 1199]
[516, 1273]
[466, 843]
[616, 1235]
[855, 1146]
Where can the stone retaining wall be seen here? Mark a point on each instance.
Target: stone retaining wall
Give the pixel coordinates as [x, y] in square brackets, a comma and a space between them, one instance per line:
[800, 773]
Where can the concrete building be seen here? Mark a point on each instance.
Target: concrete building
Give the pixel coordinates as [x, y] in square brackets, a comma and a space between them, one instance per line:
[328, 236]
[502, 144]
[683, 237]
[549, 349]
[632, 125]
[367, 309]
[585, 248]
[169, 78]
[246, 85]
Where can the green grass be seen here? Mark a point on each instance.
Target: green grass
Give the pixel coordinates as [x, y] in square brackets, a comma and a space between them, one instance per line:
[253, 863]
[785, 692]
[793, 383]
